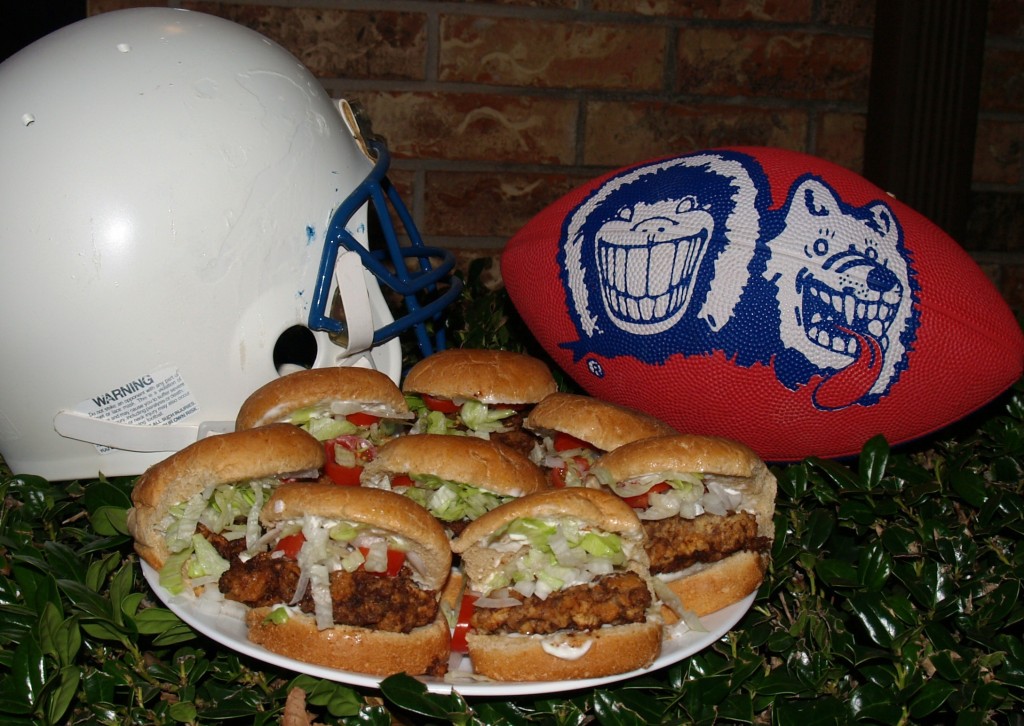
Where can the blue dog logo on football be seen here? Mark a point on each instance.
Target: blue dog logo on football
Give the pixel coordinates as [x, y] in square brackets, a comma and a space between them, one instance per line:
[684, 257]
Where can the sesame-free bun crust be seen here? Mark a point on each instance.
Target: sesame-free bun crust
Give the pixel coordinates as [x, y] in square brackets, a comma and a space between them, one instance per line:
[428, 543]
[706, 588]
[705, 454]
[595, 507]
[717, 585]
[276, 400]
[614, 649]
[489, 376]
[602, 424]
[267, 451]
[362, 650]
[465, 459]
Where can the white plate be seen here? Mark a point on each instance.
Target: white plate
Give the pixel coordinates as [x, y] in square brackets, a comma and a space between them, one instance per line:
[230, 630]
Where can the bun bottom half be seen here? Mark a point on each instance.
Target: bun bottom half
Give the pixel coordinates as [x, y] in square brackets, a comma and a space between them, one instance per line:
[613, 649]
[719, 584]
[424, 650]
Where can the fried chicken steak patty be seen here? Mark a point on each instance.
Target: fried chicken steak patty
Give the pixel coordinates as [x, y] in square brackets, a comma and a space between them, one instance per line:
[676, 543]
[368, 600]
[707, 506]
[613, 600]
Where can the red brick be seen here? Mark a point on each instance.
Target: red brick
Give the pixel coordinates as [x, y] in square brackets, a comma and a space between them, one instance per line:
[1002, 80]
[1006, 18]
[623, 133]
[489, 204]
[737, 62]
[1012, 287]
[474, 127]
[554, 4]
[333, 43]
[998, 152]
[852, 13]
[840, 139]
[96, 7]
[789, 11]
[515, 52]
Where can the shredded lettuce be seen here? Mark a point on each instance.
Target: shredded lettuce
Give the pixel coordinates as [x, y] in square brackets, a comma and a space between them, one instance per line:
[207, 562]
[481, 417]
[171, 575]
[452, 501]
[552, 555]
[278, 616]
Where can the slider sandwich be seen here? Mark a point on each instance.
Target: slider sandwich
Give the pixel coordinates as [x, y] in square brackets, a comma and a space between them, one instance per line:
[572, 430]
[707, 505]
[197, 509]
[351, 410]
[352, 580]
[557, 587]
[456, 478]
[483, 393]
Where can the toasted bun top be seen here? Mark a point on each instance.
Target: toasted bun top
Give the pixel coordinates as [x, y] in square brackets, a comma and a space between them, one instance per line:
[701, 454]
[489, 376]
[387, 511]
[268, 451]
[276, 400]
[595, 507]
[680, 452]
[602, 424]
[464, 459]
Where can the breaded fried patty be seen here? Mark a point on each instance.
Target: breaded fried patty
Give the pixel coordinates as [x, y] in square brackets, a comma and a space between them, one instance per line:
[364, 599]
[675, 543]
[611, 600]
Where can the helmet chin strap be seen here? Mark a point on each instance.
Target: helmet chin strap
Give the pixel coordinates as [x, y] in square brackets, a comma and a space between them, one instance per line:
[351, 284]
[134, 437]
[349, 275]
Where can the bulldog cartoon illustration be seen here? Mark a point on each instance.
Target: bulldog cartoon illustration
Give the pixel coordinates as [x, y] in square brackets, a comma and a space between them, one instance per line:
[844, 290]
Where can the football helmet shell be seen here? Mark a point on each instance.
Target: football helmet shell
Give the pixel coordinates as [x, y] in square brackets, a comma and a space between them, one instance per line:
[184, 215]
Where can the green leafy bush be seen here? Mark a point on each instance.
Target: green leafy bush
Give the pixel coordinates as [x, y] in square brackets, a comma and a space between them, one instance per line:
[894, 597]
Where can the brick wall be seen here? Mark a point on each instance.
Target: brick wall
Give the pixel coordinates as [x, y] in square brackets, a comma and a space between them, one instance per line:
[494, 108]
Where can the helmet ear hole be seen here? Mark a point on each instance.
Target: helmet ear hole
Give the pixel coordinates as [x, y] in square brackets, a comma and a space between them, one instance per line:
[295, 348]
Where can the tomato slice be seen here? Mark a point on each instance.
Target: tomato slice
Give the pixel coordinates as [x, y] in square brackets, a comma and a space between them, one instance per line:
[401, 480]
[557, 474]
[291, 545]
[396, 559]
[565, 442]
[462, 624]
[444, 405]
[641, 501]
[346, 475]
[362, 419]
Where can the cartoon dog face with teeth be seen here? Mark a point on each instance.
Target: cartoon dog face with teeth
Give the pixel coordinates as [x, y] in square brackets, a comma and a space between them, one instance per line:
[845, 294]
[684, 257]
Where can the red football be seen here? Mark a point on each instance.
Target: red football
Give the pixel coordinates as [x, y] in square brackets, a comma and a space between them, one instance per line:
[766, 296]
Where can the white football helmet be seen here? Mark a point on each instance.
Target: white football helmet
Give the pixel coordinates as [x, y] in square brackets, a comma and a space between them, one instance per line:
[184, 215]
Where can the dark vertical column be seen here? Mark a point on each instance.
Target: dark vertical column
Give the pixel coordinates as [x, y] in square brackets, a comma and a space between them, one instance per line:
[923, 104]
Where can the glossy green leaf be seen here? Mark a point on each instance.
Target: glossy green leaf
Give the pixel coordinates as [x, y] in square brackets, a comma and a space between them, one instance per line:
[873, 459]
[63, 695]
[871, 702]
[818, 528]
[874, 617]
[932, 695]
[874, 566]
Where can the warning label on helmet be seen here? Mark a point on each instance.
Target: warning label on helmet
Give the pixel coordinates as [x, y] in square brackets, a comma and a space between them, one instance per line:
[155, 399]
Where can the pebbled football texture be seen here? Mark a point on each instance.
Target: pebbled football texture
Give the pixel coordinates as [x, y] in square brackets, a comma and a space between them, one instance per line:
[763, 295]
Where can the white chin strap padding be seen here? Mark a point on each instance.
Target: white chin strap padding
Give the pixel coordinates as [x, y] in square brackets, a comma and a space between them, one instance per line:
[349, 276]
[134, 437]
